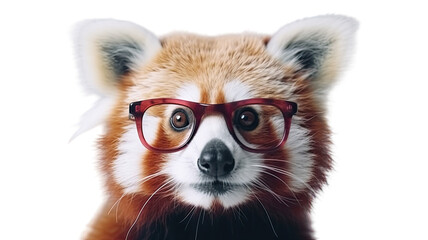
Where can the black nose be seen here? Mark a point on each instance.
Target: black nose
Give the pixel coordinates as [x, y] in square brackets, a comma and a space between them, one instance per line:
[216, 160]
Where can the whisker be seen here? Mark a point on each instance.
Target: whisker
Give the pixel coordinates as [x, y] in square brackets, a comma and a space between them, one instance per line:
[268, 187]
[273, 175]
[289, 188]
[115, 203]
[142, 180]
[191, 211]
[237, 213]
[267, 214]
[203, 217]
[190, 219]
[280, 160]
[287, 162]
[117, 206]
[263, 186]
[241, 213]
[197, 225]
[286, 173]
[148, 177]
[144, 205]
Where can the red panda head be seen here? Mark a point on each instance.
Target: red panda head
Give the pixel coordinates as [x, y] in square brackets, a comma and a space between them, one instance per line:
[124, 63]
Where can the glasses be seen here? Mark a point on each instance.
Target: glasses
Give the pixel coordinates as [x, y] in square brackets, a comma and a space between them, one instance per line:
[168, 125]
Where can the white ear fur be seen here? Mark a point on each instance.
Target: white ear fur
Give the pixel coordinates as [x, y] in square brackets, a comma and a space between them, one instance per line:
[107, 49]
[320, 46]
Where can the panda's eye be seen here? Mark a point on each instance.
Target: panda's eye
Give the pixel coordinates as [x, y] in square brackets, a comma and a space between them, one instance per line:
[179, 120]
[246, 119]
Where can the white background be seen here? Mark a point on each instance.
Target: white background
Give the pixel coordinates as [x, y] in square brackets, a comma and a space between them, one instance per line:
[50, 188]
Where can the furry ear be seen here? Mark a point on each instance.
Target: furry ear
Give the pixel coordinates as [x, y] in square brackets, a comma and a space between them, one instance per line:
[109, 49]
[319, 46]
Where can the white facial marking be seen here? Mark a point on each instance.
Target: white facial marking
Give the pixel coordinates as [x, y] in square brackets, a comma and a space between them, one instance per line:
[189, 92]
[149, 126]
[301, 160]
[190, 195]
[127, 168]
[235, 197]
[236, 90]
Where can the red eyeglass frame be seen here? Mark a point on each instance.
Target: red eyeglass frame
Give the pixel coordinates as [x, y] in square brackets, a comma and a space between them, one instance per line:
[137, 110]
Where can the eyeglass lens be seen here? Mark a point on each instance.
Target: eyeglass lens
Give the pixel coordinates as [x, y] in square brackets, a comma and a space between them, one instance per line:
[256, 126]
[259, 126]
[167, 126]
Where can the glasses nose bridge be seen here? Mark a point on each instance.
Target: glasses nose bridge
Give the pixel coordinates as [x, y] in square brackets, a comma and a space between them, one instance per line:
[219, 109]
[213, 109]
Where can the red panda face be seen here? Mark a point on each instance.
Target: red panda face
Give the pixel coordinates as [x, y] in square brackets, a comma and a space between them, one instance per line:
[213, 171]
[288, 169]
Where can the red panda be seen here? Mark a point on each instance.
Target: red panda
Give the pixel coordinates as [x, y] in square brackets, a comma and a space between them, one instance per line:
[211, 137]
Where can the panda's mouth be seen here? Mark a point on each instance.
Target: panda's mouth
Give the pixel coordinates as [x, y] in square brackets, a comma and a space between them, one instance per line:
[215, 187]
